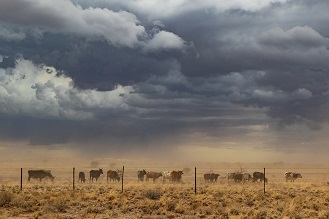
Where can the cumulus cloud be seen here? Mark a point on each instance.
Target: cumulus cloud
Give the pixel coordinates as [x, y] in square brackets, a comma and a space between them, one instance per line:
[164, 40]
[296, 36]
[172, 8]
[118, 28]
[41, 91]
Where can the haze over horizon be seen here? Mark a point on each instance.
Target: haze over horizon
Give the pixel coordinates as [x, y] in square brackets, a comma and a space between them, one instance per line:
[209, 80]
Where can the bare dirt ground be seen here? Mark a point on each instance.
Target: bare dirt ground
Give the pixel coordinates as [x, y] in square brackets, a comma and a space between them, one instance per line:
[305, 198]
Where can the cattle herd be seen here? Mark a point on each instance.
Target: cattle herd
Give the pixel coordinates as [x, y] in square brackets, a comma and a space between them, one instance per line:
[171, 176]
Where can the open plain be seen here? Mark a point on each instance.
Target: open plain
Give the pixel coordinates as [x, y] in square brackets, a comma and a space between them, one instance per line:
[307, 197]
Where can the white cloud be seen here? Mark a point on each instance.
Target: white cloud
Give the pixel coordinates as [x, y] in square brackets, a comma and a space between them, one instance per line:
[38, 91]
[164, 9]
[118, 28]
[164, 40]
[302, 93]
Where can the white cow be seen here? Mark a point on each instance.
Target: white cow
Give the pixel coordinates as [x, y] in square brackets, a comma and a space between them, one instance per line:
[291, 176]
[166, 175]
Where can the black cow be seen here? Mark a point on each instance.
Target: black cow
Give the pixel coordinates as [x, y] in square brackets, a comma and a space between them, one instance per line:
[141, 174]
[95, 174]
[237, 177]
[210, 177]
[82, 177]
[40, 174]
[258, 176]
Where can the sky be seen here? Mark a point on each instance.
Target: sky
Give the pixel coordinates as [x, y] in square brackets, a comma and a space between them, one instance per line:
[206, 80]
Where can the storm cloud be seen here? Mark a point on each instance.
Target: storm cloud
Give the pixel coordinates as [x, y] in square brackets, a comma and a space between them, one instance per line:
[162, 74]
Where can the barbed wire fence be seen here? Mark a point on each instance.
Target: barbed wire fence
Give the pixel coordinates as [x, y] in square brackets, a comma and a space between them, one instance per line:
[193, 177]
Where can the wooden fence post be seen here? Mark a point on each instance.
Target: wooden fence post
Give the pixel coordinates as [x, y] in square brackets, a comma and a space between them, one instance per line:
[73, 179]
[123, 170]
[21, 179]
[264, 180]
[195, 180]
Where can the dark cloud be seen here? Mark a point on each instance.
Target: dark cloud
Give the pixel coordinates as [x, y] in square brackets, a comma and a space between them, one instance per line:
[124, 73]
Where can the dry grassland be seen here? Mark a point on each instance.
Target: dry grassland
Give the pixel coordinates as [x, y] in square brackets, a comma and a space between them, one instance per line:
[305, 198]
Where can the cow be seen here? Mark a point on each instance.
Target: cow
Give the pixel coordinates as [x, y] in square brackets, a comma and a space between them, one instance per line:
[166, 176]
[82, 177]
[246, 177]
[95, 174]
[153, 175]
[292, 176]
[258, 176]
[114, 175]
[141, 174]
[176, 176]
[230, 176]
[237, 177]
[210, 177]
[40, 174]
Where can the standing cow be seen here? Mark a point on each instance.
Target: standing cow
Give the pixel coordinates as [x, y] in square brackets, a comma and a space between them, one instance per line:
[141, 174]
[82, 177]
[246, 177]
[95, 174]
[113, 175]
[40, 174]
[176, 176]
[153, 175]
[210, 177]
[166, 176]
[292, 176]
[258, 176]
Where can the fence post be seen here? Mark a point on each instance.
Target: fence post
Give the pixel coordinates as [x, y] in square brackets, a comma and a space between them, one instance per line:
[21, 179]
[123, 170]
[264, 180]
[195, 180]
[73, 179]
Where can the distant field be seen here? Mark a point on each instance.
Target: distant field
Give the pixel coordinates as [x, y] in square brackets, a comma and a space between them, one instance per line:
[305, 198]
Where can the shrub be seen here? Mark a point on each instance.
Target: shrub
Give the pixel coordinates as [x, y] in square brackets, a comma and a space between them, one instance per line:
[5, 198]
[154, 194]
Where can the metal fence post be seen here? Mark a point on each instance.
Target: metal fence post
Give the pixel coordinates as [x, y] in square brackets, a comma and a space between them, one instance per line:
[264, 180]
[73, 179]
[123, 170]
[195, 180]
[21, 179]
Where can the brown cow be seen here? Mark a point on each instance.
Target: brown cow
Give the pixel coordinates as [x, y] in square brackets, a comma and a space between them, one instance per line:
[153, 175]
[113, 175]
[176, 176]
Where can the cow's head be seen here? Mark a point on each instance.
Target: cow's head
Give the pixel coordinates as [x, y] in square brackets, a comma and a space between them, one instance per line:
[100, 171]
[298, 175]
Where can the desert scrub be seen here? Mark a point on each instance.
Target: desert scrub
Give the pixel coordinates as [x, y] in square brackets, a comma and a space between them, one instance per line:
[5, 198]
[153, 194]
[58, 204]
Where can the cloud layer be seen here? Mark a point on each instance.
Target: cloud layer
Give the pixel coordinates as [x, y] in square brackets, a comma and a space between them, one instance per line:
[153, 74]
